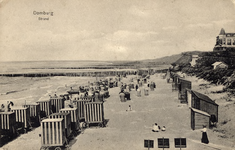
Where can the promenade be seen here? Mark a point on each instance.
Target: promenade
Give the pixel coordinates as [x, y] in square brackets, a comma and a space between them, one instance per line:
[127, 130]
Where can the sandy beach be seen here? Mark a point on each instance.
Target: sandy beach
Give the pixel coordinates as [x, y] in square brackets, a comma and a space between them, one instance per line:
[126, 130]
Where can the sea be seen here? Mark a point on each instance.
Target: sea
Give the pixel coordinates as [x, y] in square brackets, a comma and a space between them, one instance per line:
[14, 67]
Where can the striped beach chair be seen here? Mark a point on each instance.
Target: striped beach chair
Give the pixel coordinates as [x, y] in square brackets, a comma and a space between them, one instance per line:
[94, 113]
[75, 124]
[80, 104]
[57, 103]
[8, 124]
[45, 107]
[34, 113]
[53, 133]
[22, 117]
[67, 121]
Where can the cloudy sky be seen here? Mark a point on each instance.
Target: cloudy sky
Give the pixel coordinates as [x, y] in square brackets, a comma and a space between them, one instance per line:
[110, 29]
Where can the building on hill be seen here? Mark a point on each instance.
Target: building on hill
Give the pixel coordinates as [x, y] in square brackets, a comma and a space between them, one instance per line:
[225, 41]
[194, 60]
[220, 64]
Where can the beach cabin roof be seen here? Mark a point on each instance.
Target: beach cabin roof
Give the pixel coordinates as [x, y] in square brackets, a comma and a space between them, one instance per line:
[7, 112]
[203, 97]
[32, 103]
[18, 108]
[200, 112]
[60, 113]
[44, 100]
[53, 120]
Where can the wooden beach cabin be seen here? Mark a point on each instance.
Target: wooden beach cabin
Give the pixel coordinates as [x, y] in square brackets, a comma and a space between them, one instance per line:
[183, 85]
[175, 83]
[199, 118]
[189, 97]
[204, 103]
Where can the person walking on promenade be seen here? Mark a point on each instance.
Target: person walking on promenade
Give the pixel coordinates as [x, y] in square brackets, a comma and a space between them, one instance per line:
[138, 92]
[151, 86]
[204, 136]
[122, 96]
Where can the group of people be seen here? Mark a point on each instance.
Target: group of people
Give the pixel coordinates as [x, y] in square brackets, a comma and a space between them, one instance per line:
[146, 86]
[157, 128]
[8, 108]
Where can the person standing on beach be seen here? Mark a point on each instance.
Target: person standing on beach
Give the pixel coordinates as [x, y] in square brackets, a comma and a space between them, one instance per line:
[204, 136]
[122, 96]
[136, 87]
[138, 92]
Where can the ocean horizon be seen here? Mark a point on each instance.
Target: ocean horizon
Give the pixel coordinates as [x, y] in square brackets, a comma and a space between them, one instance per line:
[29, 66]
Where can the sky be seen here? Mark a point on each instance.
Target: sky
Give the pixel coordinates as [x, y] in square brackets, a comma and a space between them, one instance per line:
[110, 29]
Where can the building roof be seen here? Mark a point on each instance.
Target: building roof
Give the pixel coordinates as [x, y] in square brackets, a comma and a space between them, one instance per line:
[222, 32]
[203, 97]
[230, 34]
[200, 112]
[218, 63]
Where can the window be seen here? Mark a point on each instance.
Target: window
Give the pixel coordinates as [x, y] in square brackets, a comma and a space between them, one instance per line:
[233, 41]
[228, 41]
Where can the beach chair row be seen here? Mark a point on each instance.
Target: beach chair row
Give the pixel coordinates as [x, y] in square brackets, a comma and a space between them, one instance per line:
[58, 129]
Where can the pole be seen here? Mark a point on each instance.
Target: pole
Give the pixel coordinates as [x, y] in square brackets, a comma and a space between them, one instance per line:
[163, 143]
[180, 143]
[148, 144]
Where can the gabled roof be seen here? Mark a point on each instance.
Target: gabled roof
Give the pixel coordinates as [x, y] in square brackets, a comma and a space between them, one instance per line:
[203, 97]
[218, 63]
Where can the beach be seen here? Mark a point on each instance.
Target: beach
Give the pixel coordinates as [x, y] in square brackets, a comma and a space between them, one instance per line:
[125, 129]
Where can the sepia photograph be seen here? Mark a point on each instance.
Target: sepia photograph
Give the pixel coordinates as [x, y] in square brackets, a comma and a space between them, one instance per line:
[117, 75]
